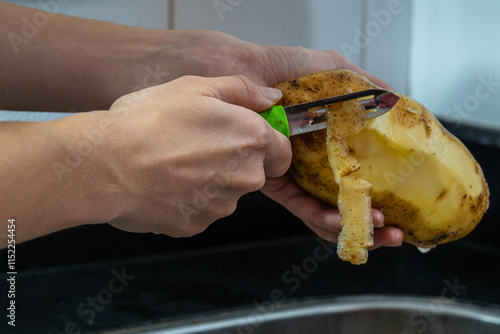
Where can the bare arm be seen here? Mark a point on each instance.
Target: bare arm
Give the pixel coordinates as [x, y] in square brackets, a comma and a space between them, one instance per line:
[137, 166]
[46, 184]
[79, 64]
[75, 64]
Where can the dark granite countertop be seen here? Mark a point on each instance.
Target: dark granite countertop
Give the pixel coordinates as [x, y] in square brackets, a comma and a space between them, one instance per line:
[148, 289]
[95, 277]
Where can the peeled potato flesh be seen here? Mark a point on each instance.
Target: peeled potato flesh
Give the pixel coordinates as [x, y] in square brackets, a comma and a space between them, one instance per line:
[423, 179]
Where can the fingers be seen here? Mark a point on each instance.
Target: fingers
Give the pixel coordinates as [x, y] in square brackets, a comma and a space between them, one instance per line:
[311, 210]
[378, 218]
[293, 62]
[388, 236]
[279, 155]
[342, 63]
[321, 218]
[241, 91]
[235, 101]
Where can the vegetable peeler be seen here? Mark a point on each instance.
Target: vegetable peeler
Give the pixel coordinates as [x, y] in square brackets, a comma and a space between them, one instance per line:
[311, 116]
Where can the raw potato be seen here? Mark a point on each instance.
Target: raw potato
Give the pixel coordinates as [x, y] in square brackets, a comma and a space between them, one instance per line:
[423, 179]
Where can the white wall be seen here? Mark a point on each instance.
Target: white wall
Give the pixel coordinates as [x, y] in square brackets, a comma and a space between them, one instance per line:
[146, 13]
[371, 34]
[455, 52]
[282, 22]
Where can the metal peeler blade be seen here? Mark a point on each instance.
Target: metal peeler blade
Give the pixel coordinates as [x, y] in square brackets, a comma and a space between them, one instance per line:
[311, 116]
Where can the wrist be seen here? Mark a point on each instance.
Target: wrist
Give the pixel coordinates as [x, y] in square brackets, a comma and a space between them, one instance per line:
[142, 59]
[80, 168]
[54, 175]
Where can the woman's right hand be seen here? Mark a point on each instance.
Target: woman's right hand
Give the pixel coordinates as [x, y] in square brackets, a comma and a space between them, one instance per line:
[180, 155]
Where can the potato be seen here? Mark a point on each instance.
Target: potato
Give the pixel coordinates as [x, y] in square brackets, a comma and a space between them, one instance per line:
[423, 179]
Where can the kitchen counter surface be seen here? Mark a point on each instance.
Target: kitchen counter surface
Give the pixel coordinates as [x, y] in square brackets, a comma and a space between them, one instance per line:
[147, 289]
[95, 277]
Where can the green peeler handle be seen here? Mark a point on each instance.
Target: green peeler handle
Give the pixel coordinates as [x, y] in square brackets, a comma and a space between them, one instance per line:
[276, 116]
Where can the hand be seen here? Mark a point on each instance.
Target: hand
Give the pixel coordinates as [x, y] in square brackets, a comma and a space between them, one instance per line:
[212, 53]
[270, 65]
[132, 58]
[182, 153]
[320, 217]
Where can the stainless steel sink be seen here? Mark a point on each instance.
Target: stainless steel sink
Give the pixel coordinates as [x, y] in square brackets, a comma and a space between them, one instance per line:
[353, 315]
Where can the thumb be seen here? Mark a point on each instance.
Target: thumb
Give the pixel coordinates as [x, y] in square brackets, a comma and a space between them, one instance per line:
[239, 90]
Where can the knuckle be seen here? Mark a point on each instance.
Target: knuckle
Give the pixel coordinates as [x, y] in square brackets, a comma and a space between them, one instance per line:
[252, 89]
[283, 158]
[189, 82]
[222, 209]
[227, 210]
[338, 59]
[187, 79]
[261, 135]
[189, 230]
[282, 168]
[256, 181]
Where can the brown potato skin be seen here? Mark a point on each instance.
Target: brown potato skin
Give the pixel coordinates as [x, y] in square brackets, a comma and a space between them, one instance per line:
[311, 170]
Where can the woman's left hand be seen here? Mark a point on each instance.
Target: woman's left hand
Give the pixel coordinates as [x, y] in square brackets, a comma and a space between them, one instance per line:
[222, 54]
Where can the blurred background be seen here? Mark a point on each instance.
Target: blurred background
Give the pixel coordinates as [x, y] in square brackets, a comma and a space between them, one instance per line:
[442, 53]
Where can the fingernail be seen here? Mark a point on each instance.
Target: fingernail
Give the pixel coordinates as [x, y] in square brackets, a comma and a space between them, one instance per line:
[271, 94]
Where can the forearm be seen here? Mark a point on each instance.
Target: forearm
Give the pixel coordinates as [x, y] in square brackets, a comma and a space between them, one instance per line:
[75, 64]
[52, 176]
